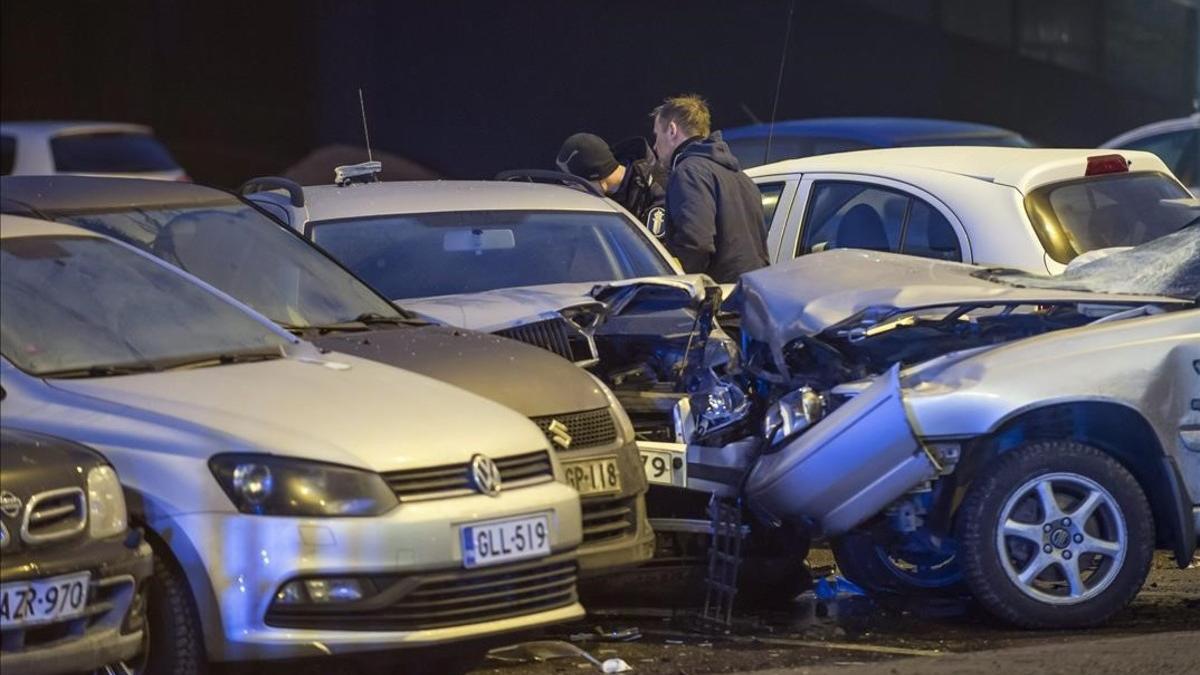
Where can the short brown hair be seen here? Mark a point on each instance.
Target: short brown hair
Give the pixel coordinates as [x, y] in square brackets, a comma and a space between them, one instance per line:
[688, 111]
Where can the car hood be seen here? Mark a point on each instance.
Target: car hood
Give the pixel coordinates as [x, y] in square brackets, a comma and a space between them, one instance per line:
[335, 408]
[491, 311]
[812, 293]
[531, 381]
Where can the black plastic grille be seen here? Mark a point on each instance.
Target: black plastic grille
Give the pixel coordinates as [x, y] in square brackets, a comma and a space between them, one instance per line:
[587, 429]
[453, 480]
[441, 599]
[608, 519]
[555, 335]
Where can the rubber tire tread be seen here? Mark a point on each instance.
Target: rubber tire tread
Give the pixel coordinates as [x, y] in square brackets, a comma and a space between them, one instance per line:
[175, 623]
[982, 569]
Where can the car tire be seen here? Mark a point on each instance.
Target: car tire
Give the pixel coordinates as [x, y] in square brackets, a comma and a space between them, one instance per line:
[862, 560]
[1037, 561]
[176, 643]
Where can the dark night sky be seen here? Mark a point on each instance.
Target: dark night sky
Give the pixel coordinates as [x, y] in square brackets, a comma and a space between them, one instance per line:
[470, 88]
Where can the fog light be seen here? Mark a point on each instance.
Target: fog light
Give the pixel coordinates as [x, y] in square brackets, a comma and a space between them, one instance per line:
[292, 593]
[333, 590]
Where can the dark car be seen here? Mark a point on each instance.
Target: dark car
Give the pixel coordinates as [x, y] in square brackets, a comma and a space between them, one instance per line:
[231, 244]
[72, 571]
[791, 139]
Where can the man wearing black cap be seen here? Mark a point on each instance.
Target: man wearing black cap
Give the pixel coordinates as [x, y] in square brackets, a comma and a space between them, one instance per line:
[627, 173]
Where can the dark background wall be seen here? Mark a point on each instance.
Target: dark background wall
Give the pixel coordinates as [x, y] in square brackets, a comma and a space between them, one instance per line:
[469, 88]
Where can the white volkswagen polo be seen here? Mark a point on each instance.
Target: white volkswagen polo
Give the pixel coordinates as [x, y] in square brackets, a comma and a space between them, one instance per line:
[300, 503]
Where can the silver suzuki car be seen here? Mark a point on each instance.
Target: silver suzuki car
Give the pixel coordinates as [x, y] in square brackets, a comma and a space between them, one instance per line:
[299, 502]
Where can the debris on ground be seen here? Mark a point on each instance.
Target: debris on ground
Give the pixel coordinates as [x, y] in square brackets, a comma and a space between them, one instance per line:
[548, 650]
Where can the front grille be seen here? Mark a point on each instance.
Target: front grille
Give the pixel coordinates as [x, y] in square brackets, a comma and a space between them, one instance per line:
[54, 515]
[441, 599]
[608, 519]
[107, 605]
[453, 480]
[555, 335]
[587, 429]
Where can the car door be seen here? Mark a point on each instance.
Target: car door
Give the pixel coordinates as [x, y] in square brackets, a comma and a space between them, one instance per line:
[874, 213]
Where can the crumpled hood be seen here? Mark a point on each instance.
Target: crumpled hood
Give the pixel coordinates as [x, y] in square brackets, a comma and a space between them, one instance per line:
[532, 381]
[336, 408]
[811, 293]
[491, 311]
[713, 148]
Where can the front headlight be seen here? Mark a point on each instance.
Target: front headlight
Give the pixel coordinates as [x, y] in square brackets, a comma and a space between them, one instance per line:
[106, 503]
[719, 405]
[266, 485]
[794, 412]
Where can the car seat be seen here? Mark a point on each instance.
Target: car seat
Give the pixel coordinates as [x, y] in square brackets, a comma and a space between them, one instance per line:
[861, 227]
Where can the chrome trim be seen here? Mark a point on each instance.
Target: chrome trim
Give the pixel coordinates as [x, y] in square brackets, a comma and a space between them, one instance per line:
[28, 518]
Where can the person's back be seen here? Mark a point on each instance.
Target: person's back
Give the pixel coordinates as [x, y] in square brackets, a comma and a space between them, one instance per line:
[715, 219]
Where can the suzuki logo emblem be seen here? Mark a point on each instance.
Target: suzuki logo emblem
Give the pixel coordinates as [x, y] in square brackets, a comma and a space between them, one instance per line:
[10, 504]
[559, 434]
[485, 476]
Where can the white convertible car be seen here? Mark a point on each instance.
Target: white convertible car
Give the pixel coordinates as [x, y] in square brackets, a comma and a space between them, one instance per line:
[300, 503]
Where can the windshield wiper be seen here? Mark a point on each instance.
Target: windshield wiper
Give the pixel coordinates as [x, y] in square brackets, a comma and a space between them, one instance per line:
[100, 371]
[361, 322]
[220, 359]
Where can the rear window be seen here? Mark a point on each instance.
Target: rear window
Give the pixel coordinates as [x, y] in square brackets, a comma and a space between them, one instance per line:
[110, 152]
[1125, 209]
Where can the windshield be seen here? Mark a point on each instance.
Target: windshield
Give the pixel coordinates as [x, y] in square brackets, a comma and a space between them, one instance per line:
[236, 248]
[424, 255]
[82, 302]
[1166, 266]
[1124, 209]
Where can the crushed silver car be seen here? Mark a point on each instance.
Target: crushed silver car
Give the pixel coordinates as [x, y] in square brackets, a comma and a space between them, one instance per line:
[954, 429]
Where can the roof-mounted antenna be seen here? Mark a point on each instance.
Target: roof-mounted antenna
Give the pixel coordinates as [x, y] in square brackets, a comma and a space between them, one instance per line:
[787, 36]
[362, 106]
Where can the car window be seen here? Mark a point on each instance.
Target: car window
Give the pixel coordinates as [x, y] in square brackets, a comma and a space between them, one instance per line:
[110, 152]
[239, 250]
[1123, 209]
[928, 234]
[844, 214]
[8, 154]
[770, 200]
[424, 255]
[1177, 149]
[83, 302]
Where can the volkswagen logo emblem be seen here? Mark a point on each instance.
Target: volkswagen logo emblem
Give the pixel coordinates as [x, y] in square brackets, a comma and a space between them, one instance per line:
[559, 434]
[484, 475]
[10, 504]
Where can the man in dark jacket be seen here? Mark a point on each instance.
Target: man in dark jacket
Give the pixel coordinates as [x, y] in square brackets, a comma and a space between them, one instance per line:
[627, 172]
[714, 211]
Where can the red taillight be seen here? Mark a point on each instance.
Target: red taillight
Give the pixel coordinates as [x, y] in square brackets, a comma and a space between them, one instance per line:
[1102, 164]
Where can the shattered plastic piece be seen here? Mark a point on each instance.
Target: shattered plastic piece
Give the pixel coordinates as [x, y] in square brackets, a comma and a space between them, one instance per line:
[542, 650]
[615, 666]
[620, 634]
[830, 588]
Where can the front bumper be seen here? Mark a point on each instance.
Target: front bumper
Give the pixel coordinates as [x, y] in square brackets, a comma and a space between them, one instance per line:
[237, 563]
[110, 630]
[847, 467]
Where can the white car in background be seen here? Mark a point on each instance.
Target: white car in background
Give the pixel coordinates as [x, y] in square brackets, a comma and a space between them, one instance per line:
[293, 511]
[1025, 208]
[86, 148]
[1176, 142]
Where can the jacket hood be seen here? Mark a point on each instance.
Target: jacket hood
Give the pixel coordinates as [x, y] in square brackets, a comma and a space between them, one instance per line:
[532, 381]
[713, 149]
[334, 408]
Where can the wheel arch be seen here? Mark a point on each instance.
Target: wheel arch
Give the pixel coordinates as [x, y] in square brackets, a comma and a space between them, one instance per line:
[1116, 429]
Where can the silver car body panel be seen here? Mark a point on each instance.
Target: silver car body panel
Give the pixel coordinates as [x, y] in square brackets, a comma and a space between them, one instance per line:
[846, 468]
[809, 294]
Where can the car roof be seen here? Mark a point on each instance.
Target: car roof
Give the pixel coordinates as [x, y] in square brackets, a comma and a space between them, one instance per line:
[327, 202]
[13, 227]
[1163, 126]
[55, 128]
[1022, 168]
[880, 131]
[58, 194]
